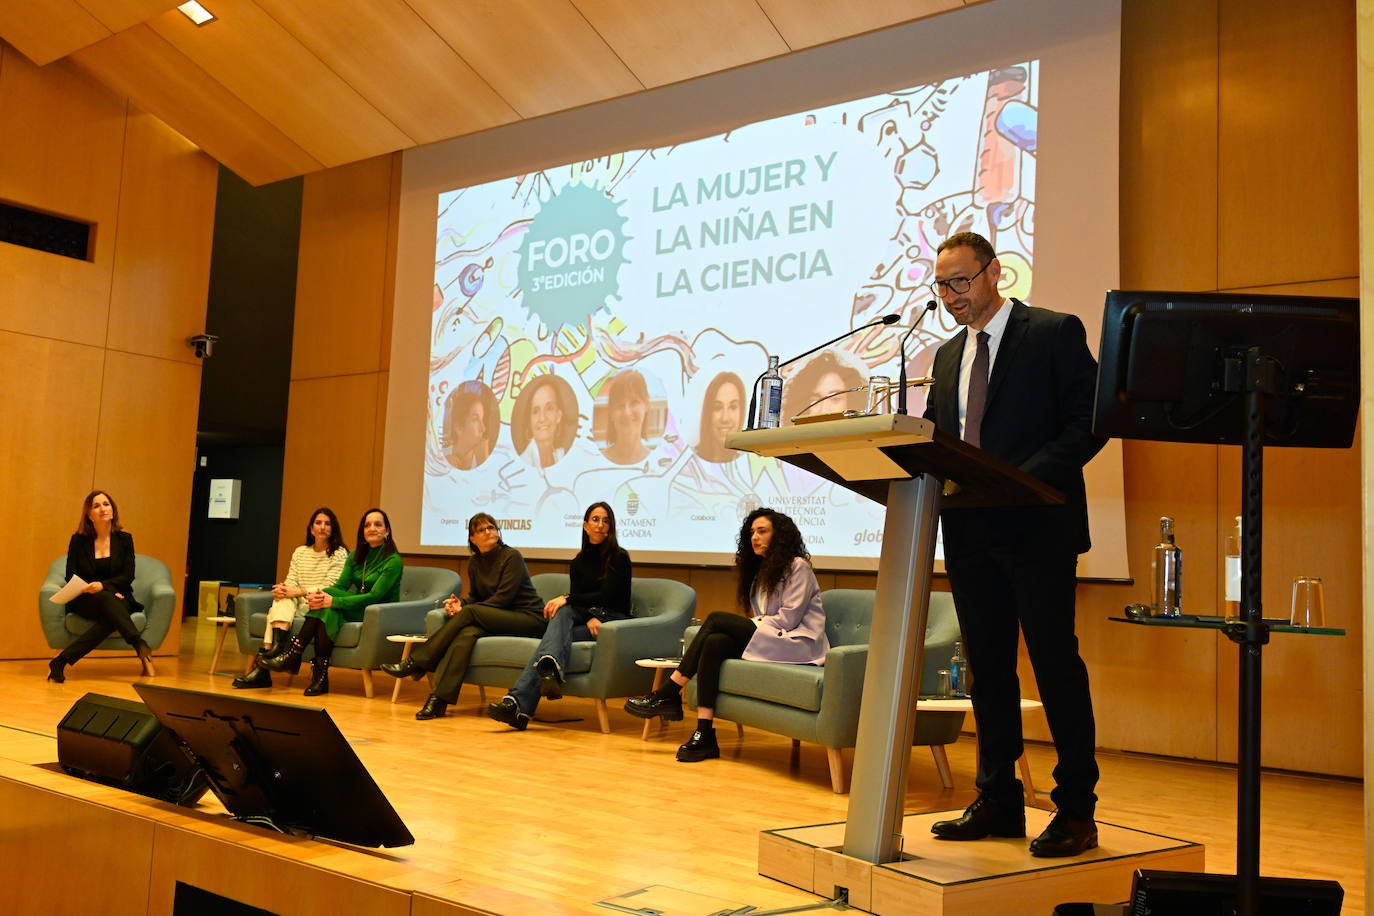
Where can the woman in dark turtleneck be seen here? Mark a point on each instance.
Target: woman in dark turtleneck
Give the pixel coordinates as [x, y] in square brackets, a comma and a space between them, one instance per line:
[501, 601]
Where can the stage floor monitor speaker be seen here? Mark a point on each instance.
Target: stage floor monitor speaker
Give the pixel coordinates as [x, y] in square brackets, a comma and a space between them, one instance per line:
[120, 742]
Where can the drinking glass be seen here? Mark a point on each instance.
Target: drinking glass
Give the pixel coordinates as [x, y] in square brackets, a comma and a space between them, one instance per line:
[1309, 607]
[879, 394]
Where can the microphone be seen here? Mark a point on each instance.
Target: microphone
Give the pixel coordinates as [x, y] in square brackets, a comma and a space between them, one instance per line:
[931, 306]
[754, 394]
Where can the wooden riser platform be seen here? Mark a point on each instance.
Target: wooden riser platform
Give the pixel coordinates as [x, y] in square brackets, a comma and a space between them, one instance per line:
[968, 879]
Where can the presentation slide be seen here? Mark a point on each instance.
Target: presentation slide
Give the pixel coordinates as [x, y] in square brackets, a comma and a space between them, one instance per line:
[598, 326]
[584, 300]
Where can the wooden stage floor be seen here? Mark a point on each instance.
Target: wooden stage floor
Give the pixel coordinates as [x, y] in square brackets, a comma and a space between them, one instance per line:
[560, 818]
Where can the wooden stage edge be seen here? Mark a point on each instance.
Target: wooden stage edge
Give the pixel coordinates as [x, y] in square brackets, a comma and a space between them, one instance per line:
[969, 879]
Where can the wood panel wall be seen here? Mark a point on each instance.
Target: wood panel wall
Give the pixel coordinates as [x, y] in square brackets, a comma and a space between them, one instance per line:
[101, 388]
[1238, 172]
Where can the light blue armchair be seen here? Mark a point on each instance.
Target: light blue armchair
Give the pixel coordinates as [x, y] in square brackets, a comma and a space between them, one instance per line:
[821, 704]
[152, 587]
[600, 668]
[361, 645]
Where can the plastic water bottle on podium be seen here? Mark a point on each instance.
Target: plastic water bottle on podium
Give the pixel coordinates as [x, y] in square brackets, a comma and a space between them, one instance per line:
[958, 671]
[770, 405]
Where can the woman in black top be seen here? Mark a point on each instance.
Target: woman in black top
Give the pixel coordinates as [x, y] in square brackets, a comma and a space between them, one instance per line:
[599, 577]
[501, 601]
[102, 554]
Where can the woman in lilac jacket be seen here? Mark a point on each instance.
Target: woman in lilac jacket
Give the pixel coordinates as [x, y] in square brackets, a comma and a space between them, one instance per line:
[786, 623]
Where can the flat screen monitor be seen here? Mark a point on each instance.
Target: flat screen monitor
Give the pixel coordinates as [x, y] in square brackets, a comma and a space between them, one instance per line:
[1172, 367]
[278, 765]
[1177, 893]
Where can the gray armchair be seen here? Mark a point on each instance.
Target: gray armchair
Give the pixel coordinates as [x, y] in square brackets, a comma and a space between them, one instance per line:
[821, 704]
[152, 587]
[600, 668]
[361, 645]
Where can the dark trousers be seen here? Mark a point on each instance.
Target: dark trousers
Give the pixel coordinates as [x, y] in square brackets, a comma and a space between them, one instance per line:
[723, 636]
[108, 615]
[998, 590]
[449, 650]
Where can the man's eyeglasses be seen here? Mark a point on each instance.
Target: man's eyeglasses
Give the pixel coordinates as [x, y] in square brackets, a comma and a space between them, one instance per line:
[956, 285]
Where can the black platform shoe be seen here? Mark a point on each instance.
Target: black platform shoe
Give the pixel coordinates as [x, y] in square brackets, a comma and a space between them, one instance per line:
[701, 746]
[508, 711]
[319, 667]
[434, 708]
[651, 706]
[258, 677]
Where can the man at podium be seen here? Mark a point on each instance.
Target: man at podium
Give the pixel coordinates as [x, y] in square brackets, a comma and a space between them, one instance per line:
[1018, 383]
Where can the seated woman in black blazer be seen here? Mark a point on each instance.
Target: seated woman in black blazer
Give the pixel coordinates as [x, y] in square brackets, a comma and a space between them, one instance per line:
[102, 553]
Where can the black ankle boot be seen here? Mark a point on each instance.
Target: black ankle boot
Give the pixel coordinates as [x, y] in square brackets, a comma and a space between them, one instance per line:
[55, 670]
[319, 684]
[280, 640]
[289, 662]
[258, 677]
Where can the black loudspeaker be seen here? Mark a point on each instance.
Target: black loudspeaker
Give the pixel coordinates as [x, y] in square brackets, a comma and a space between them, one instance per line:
[120, 742]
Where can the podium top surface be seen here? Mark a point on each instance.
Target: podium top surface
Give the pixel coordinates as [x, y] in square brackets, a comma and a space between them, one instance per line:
[864, 454]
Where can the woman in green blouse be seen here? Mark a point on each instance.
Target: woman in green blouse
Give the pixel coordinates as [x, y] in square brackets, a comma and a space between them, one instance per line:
[371, 575]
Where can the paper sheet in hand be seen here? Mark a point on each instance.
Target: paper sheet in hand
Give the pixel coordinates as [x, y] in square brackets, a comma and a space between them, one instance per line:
[75, 586]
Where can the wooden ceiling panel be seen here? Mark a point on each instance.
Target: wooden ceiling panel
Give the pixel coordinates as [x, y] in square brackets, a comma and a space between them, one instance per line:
[44, 30]
[118, 15]
[396, 61]
[807, 23]
[256, 59]
[139, 64]
[678, 41]
[542, 56]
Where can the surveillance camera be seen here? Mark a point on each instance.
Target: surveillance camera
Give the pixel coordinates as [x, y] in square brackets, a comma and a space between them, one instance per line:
[204, 345]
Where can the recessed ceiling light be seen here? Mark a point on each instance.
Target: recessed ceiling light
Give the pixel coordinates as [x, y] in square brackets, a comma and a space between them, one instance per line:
[196, 13]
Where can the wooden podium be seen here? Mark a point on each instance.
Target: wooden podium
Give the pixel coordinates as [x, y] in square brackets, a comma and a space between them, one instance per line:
[913, 469]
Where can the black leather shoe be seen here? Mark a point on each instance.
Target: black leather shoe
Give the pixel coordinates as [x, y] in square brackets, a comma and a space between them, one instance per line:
[508, 711]
[983, 818]
[701, 746]
[650, 706]
[434, 708]
[404, 668]
[258, 677]
[55, 670]
[550, 681]
[1065, 836]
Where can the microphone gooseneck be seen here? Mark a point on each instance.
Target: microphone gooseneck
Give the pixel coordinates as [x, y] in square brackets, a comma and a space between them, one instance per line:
[931, 306]
[754, 394]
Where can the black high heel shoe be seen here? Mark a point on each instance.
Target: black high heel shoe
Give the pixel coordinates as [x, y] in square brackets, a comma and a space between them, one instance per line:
[55, 670]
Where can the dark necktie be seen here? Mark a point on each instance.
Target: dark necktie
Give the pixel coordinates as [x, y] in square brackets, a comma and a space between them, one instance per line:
[977, 393]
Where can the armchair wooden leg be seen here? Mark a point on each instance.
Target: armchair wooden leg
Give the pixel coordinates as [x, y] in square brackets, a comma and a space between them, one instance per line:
[837, 775]
[1024, 766]
[796, 753]
[367, 682]
[603, 717]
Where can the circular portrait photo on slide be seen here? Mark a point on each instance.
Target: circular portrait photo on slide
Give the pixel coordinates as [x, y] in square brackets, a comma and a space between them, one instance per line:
[629, 417]
[722, 413]
[471, 423]
[545, 421]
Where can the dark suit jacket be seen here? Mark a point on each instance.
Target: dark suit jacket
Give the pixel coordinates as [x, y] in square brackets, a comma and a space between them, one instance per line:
[81, 561]
[1038, 417]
